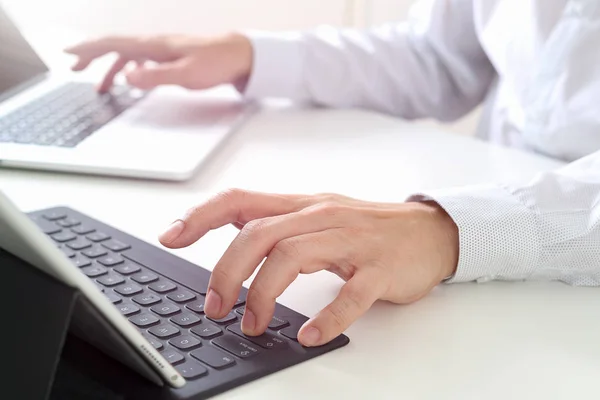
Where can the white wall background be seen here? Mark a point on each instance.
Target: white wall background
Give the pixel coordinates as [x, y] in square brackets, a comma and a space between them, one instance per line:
[100, 17]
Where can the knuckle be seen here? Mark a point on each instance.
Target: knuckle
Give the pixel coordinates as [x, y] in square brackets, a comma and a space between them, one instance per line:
[257, 292]
[287, 248]
[193, 211]
[330, 197]
[328, 209]
[352, 299]
[253, 230]
[337, 318]
[232, 195]
[221, 275]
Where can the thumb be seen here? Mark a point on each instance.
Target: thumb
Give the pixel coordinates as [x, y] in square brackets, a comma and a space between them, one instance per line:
[150, 76]
[354, 299]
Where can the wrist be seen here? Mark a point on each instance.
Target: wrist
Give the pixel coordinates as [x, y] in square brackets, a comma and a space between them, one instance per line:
[445, 237]
[242, 53]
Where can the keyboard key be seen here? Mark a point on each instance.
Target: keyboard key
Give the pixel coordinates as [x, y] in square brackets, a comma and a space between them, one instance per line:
[100, 287]
[63, 236]
[111, 261]
[111, 280]
[236, 346]
[173, 357]
[191, 370]
[225, 320]
[79, 244]
[240, 310]
[266, 340]
[148, 259]
[185, 320]
[207, 331]
[143, 320]
[185, 342]
[54, 215]
[68, 222]
[67, 251]
[95, 252]
[113, 298]
[47, 227]
[164, 331]
[98, 237]
[163, 286]
[196, 306]
[165, 310]
[128, 309]
[83, 229]
[144, 277]
[181, 296]
[147, 299]
[155, 343]
[277, 323]
[128, 268]
[94, 271]
[291, 332]
[115, 245]
[213, 357]
[128, 289]
[80, 261]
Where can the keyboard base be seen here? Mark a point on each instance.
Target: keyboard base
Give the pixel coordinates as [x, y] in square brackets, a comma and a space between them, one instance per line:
[158, 265]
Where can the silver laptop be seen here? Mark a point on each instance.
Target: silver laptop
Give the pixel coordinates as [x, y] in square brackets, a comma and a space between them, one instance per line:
[52, 121]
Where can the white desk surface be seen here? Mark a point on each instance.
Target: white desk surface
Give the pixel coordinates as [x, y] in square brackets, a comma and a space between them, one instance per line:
[465, 341]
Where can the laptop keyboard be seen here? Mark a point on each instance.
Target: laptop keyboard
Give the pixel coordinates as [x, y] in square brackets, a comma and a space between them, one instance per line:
[65, 116]
[168, 313]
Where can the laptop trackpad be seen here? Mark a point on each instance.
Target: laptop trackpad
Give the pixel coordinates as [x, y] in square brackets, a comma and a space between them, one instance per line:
[174, 107]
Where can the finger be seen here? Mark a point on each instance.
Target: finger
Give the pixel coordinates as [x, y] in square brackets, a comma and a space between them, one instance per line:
[82, 63]
[129, 47]
[174, 73]
[228, 207]
[354, 299]
[109, 78]
[252, 245]
[301, 254]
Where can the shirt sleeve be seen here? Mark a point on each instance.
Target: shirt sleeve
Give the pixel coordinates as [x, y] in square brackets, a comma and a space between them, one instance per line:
[548, 229]
[429, 66]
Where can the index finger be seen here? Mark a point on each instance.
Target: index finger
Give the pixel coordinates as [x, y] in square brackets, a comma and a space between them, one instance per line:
[127, 46]
[229, 207]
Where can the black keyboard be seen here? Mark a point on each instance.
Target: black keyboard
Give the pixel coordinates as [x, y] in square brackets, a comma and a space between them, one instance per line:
[163, 296]
[65, 116]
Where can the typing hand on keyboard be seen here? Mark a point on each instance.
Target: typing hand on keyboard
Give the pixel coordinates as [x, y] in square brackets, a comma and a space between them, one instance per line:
[191, 62]
[393, 252]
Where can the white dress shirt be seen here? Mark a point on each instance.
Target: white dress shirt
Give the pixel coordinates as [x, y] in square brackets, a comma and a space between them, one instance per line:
[536, 66]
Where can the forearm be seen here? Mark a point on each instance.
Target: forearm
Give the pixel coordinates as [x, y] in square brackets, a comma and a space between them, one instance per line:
[430, 66]
[548, 229]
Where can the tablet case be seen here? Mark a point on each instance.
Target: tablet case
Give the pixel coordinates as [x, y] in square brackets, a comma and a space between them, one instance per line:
[39, 313]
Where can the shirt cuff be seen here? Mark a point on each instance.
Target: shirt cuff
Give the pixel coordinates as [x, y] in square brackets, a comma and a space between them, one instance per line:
[277, 66]
[498, 234]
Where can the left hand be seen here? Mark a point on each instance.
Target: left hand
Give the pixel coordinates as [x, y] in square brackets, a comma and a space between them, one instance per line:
[393, 252]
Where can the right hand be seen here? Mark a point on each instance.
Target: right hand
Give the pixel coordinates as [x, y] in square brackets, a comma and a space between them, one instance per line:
[193, 63]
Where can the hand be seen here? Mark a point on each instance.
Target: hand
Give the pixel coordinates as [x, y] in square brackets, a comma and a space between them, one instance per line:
[394, 252]
[193, 63]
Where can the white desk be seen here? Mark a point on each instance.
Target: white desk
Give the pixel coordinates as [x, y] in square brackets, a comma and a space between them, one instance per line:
[468, 341]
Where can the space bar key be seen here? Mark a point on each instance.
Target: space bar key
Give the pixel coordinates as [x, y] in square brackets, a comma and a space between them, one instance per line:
[179, 271]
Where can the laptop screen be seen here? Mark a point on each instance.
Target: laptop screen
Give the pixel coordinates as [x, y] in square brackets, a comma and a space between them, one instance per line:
[18, 61]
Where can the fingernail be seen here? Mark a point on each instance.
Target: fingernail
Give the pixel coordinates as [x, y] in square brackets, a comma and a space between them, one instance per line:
[310, 336]
[249, 321]
[213, 303]
[172, 232]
